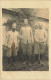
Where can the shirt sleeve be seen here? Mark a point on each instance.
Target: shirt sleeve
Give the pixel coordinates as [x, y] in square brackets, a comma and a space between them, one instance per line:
[18, 38]
[7, 38]
[45, 35]
[31, 33]
[21, 33]
[35, 36]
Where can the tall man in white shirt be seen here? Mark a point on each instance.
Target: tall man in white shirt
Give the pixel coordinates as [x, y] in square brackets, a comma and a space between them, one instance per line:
[40, 41]
[12, 44]
[26, 41]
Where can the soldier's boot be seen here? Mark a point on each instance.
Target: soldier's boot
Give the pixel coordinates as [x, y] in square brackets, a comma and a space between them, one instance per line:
[27, 59]
[9, 62]
[39, 61]
[36, 57]
[14, 60]
[39, 58]
[30, 61]
[24, 59]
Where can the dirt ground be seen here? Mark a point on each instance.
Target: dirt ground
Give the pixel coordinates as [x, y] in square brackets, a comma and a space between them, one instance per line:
[19, 66]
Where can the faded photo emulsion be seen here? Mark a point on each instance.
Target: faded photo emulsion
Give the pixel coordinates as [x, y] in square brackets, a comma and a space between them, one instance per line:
[25, 34]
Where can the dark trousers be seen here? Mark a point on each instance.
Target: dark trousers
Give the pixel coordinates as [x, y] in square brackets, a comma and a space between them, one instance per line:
[26, 51]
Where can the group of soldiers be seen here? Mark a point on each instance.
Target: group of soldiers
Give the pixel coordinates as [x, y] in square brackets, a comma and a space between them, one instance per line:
[27, 39]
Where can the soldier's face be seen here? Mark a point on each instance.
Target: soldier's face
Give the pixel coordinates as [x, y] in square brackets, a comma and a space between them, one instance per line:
[26, 21]
[13, 29]
[40, 27]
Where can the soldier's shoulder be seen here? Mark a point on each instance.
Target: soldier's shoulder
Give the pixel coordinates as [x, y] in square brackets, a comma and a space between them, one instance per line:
[36, 29]
[17, 32]
[22, 27]
[44, 29]
[10, 31]
[29, 26]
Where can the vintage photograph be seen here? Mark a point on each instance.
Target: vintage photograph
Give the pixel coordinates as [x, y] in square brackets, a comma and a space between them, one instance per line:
[25, 35]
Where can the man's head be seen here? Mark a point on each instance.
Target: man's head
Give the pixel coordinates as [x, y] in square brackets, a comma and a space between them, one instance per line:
[25, 21]
[40, 26]
[13, 26]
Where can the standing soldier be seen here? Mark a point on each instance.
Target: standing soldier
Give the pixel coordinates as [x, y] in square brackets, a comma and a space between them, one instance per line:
[12, 44]
[26, 41]
[40, 40]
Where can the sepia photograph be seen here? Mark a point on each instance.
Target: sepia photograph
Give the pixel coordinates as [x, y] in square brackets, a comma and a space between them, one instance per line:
[25, 35]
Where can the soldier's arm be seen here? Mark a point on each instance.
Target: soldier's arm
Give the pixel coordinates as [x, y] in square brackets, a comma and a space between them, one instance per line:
[18, 38]
[31, 33]
[21, 33]
[45, 36]
[7, 39]
[35, 36]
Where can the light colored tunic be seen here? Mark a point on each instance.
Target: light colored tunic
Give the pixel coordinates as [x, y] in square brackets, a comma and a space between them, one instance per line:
[40, 35]
[4, 34]
[12, 43]
[12, 37]
[26, 40]
[26, 35]
[40, 41]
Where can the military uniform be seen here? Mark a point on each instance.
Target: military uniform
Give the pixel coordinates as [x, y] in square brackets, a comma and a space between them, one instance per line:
[12, 44]
[26, 40]
[40, 41]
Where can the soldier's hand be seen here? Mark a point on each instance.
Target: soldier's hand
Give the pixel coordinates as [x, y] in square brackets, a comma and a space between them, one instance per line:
[43, 43]
[5, 47]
